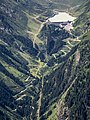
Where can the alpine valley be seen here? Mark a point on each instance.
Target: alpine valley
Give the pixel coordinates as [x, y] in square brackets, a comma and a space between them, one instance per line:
[44, 68]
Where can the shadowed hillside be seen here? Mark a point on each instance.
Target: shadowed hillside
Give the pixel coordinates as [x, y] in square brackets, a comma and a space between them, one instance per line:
[44, 69]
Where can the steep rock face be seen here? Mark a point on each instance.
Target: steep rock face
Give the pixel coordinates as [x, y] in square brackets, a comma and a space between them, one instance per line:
[53, 37]
[58, 45]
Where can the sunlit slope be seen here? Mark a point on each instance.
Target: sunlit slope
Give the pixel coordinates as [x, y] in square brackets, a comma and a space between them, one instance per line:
[39, 64]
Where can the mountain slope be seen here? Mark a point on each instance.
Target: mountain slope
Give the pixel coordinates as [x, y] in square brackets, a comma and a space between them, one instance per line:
[70, 85]
[66, 90]
[44, 70]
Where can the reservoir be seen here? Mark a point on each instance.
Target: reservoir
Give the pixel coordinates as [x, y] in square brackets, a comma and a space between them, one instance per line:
[62, 17]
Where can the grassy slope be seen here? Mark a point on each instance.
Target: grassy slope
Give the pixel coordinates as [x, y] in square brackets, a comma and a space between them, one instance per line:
[17, 57]
[71, 80]
[19, 67]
